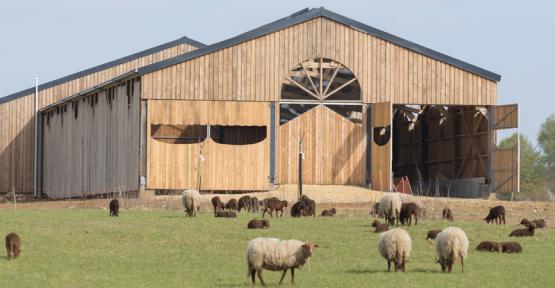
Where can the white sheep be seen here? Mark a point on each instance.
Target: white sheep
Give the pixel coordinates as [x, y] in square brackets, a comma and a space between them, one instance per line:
[390, 206]
[191, 202]
[395, 245]
[451, 245]
[277, 255]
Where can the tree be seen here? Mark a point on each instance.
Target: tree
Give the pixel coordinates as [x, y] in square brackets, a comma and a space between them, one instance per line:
[531, 167]
[546, 141]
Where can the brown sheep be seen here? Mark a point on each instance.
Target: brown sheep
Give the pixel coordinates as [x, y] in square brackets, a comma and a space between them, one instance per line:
[297, 209]
[409, 210]
[274, 204]
[258, 224]
[232, 205]
[379, 226]
[114, 207]
[510, 247]
[218, 204]
[328, 213]
[254, 204]
[13, 245]
[524, 232]
[245, 203]
[225, 214]
[489, 246]
[539, 223]
[309, 206]
[496, 214]
[447, 214]
[432, 234]
[375, 212]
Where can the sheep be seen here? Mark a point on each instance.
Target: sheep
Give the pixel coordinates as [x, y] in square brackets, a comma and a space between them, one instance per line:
[277, 255]
[395, 245]
[379, 227]
[218, 204]
[375, 212]
[432, 234]
[496, 213]
[258, 224]
[309, 206]
[328, 213]
[114, 207]
[245, 203]
[409, 210]
[539, 223]
[274, 204]
[225, 214]
[232, 204]
[191, 202]
[524, 232]
[447, 214]
[390, 206]
[451, 245]
[254, 204]
[510, 247]
[297, 209]
[13, 245]
[489, 246]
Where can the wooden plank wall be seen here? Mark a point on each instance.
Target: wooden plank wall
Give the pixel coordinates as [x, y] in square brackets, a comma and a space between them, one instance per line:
[254, 70]
[96, 151]
[17, 119]
[227, 167]
[505, 161]
[334, 149]
[381, 156]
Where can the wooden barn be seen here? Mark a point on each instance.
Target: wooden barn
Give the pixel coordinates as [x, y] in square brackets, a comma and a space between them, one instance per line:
[358, 105]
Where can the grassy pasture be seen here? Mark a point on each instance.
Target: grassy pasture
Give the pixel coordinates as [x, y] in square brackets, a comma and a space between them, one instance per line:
[86, 248]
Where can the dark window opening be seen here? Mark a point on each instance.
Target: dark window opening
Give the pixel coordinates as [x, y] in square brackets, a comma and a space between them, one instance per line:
[178, 134]
[352, 113]
[288, 112]
[237, 135]
[382, 135]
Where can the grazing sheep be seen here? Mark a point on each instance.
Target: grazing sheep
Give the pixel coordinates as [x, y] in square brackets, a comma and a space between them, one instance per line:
[13, 245]
[328, 213]
[451, 245]
[409, 210]
[496, 213]
[395, 245]
[489, 246]
[526, 232]
[432, 234]
[114, 208]
[254, 204]
[274, 204]
[447, 214]
[309, 206]
[539, 223]
[379, 226]
[258, 224]
[225, 214]
[232, 204]
[277, 255]
[510, 247]
[191, 202]
[390, 206]
[297, 209]
[245, 203]
[375, 212]
[218, 204]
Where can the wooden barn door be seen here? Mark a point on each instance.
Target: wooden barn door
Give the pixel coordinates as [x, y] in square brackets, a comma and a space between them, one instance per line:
[505, 161]
[381, 146]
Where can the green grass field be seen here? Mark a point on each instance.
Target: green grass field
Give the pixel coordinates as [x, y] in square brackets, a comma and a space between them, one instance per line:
[86, 248]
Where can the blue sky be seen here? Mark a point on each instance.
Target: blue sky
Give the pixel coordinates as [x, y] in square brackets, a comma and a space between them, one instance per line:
[50, 39]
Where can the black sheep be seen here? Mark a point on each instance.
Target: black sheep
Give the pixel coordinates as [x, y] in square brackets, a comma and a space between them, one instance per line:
[13, 245]
[432, 234]
[273, 204]
[254, 204]
[510, 247]
[524, 232]
[245, 203]
[409, 210]
[489, 246]
[447, 214]
[226, 214]
[232, 204]
[114, 208]
[328, 213]
[539, 223]
[297, 209]
[218, 204]
[379, 226]
[496, 214]
[258, 224]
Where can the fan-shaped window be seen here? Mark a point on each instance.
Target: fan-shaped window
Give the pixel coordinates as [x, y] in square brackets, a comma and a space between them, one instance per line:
[178, 134]
[321, 81]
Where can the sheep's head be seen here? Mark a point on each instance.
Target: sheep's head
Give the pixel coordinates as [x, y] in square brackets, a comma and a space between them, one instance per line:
[333, 211]
[525, 222]
[375, 223]
[284, 203]
[308, 247]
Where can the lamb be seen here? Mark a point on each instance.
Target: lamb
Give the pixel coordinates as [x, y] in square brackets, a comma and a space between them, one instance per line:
[379, 227]
[409, 210]
[245, 203]
[258, 224]
[510, 247]
[254, 204]
[297, 209]
[274, 204]
[539, 223]
[114, 207]
[395, 245]
[232, 204]
[496, 213]
[432, 234]
[277, 255]
[191, 202]
[328, 213]
[225, 214]
[447, 214]
[489, 246]
[390, 206]
[13, 245]
[526, 232]
[218, 204]
[451, 245]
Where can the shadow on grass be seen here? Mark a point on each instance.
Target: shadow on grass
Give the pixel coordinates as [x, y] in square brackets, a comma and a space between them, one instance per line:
[176, 216]
[421, 270]
[365, 271]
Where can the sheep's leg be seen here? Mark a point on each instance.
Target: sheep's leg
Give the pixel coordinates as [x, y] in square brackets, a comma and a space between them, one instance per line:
[253, 276]
[388, 265]
[263, 212]
[259, 273]
[282, 276]
[292, 276]
[449, 266]
[396, 265]
[462, 263]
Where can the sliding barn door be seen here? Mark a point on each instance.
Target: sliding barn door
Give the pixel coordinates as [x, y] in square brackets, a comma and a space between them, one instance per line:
[505, 161]
[381, 146]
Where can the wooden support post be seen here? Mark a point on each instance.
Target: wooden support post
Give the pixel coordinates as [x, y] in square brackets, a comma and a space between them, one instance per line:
[300, 167]
[14, 200]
